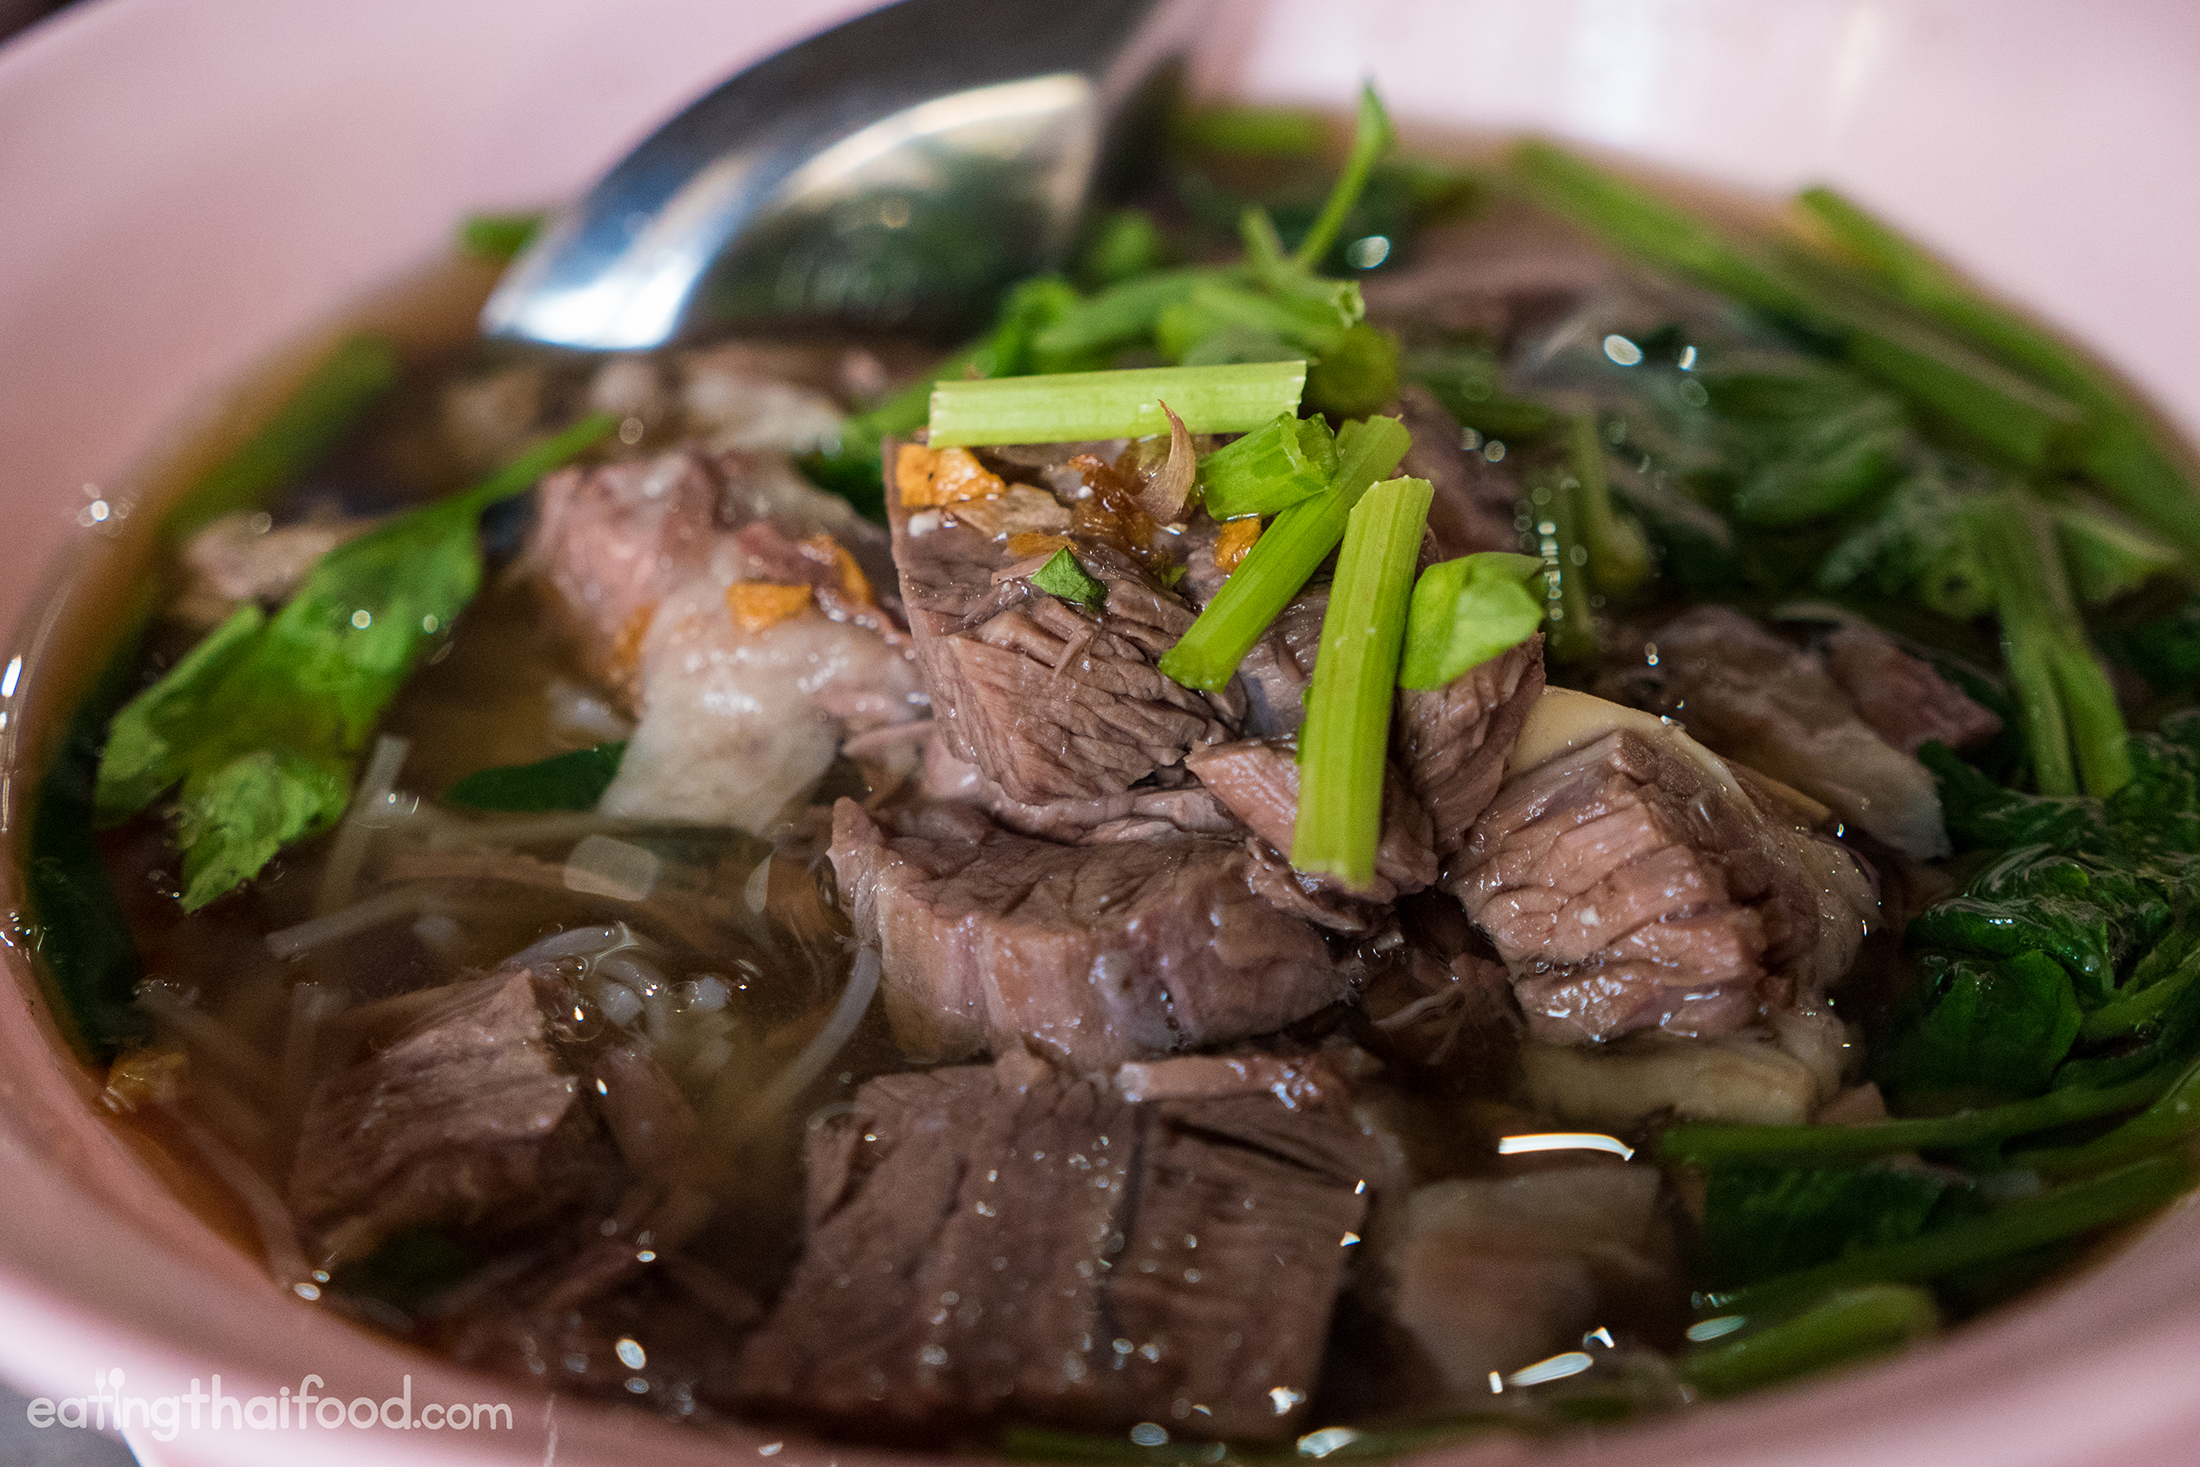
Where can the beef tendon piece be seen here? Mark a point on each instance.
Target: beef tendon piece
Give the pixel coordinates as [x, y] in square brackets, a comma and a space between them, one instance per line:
[1452, 741]
[1485, 1276]
[1630, 880]
[1005, 1241]
[465, 1119]
[1091, 954]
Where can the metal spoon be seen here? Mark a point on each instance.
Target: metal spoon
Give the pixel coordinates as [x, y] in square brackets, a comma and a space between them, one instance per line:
[896, 170]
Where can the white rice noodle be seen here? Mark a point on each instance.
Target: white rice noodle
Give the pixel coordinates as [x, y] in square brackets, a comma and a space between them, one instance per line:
[398, 903]
[371, 808]
[211, 1041]
[270, 1218]
[855, 1001]
[576, 710]
[574, 942]
[312, 1005]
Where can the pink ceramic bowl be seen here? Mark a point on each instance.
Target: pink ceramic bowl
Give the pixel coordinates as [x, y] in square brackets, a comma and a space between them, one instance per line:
[186, 185]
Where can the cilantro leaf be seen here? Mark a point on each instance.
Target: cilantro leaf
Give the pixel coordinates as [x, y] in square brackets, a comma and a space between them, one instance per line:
[262, 724]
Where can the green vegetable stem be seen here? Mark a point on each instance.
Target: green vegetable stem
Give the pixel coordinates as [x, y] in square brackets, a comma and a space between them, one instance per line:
[1344, 744]
[1074, 406]
[1287, 554]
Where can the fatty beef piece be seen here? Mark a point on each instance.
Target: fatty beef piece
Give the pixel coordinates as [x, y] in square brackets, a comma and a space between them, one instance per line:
[736, 609]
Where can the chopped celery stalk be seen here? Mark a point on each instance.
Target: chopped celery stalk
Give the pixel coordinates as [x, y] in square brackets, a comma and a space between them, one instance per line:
[2108, 559]
[1572, 634]
[2125, 452]
[1289, 551]
[2072, 726]
[1269, 469]
[2017, 1227]
[1619, 556]
[1121, 313]
[1344, 744]
[1251, 131]
[2170, 1120]
[1371, 135]
[496, 238]
[1697, 1145]
[328, 404]
[1973, 395]
[1467, 611]
[1065, 580]
[1073, 406]
[1846, 1325]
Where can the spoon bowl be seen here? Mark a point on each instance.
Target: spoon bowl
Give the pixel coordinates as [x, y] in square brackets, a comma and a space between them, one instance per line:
[895, 171]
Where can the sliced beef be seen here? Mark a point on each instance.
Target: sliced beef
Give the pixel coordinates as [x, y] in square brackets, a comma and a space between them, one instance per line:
[1091, 954]
[465, 1118]
[1452, 741]
[1759, 700]
[1158, 807]
[1485, 1276]
[1904, 700]
[1475, 501]
[1630, 880]
[1050, 700]
[1004, 1241]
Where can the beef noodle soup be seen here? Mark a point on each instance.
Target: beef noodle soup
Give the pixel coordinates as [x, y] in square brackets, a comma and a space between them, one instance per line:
[1470, 804]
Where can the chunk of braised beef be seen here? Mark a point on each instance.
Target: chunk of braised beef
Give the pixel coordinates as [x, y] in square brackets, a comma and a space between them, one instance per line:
[1166, 803]
[1051, 701]
[1476, 500]
[1090, 954]
[1005, 1241]
[467, 1118]
[1630, 881]
[1486, 1275]
[1452, 742]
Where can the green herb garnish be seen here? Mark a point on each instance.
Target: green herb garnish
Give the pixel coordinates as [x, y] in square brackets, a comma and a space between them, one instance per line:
[1071, 407]
[1465, 612]
[574, 780]
[1063, 578]
[263, 723]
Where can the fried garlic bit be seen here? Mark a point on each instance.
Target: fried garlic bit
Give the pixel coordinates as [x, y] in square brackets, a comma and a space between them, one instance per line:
[757, 605]
[1236, 539]
[931, 477]
[854, 585]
